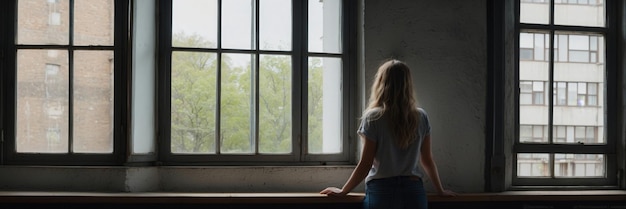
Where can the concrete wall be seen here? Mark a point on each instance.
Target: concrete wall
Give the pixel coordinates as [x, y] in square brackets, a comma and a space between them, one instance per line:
[445, 44]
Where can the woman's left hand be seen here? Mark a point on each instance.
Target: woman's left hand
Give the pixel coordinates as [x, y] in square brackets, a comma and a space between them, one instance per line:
[333, 191]
[447, 193]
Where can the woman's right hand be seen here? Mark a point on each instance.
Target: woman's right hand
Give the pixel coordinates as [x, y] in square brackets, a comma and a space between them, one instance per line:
[447, 193]
[333, 191]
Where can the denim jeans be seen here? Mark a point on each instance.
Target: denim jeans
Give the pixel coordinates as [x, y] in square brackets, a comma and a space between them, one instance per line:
[395, 193]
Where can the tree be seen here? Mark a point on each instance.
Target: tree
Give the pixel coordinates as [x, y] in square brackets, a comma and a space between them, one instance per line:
[194, 101]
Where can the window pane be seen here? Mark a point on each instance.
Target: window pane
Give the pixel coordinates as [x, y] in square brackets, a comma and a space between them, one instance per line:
[236, 104]
[93, 22]
[42, 115]
[579, 14]
[583, 81]
[325, 26]
[535, 12]
[537, 72]
[525, 99]
[93, 102]
[539, 46]
[275, 104]
[275, 25]
[579, 42]
[578, 56]
[193, 102]
[525, 133]
[580, 165]
[533, 165]
[194, 23]
[562, 45]
[526, 40]
[324, 106]
[237, 24]
[571, 94]
[42, 22]
[559, 134]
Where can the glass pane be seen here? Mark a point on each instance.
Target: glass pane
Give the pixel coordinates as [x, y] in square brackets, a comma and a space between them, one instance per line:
[194, 23]
[193, 102]
[579, 42]
[539, 47]
[577, 135]
[535, 12]
[537, 72]
[571, 94]
[583, 84]
[324, 105]
[275, 104]
[275, 25]
[238, 24]
[579, 14]
[579, 165]
[325, 26]
[525, 133]
[562, 45]
[538, 98]
[93, 22]
[236, 104]
[578, 56]
[533, 165]
[42, 101]
[93, 102]
[559, 134]
[43, 22]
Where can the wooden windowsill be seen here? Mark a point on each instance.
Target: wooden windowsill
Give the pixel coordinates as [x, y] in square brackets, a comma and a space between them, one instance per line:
[289, 198]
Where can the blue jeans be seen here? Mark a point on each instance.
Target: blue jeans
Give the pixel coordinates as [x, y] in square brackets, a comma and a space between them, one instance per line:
[395, 193]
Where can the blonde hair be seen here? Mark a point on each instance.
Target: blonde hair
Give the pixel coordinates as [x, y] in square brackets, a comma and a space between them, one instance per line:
[392, 94]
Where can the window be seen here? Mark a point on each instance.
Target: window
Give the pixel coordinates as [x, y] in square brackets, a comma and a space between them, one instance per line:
[532, 92]
[565, 118]
[256, 81]
[67, 58]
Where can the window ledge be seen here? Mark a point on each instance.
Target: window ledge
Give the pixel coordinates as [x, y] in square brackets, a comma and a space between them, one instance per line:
[290, 198]
[523, 196]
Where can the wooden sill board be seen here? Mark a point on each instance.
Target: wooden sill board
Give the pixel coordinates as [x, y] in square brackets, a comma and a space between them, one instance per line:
[288, 198]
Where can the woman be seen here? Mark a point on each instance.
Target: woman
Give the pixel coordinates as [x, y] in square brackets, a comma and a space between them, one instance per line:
[396, 141]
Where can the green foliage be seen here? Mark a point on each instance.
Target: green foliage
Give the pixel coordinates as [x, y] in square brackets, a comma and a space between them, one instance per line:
[315, 110]
[194, 102]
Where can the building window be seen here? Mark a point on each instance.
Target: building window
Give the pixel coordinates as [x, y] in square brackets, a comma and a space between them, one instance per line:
[532, 92]
[54, 16]
[564, 115]
[67, 93]
[575, 94]
[572, 2]
[246, 83]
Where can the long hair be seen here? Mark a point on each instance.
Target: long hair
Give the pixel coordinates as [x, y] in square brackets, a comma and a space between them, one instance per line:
[392, 95]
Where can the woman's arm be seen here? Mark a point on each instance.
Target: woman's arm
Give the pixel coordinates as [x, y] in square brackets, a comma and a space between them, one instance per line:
[359, 173]
[429, 165]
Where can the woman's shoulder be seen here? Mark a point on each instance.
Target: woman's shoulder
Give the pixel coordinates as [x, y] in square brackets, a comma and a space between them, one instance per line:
[422, 112]
[373, 113]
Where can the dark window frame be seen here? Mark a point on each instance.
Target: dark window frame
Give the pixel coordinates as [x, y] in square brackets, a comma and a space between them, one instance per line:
[501, 102]
[300, 57]
[121, 82]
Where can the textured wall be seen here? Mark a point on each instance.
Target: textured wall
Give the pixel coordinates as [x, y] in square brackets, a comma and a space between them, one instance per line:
[444, 42]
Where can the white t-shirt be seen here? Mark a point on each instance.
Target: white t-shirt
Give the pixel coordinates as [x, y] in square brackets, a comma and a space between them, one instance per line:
[390, 160]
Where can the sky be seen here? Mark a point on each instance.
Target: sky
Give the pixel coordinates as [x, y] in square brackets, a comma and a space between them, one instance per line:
[200, 17]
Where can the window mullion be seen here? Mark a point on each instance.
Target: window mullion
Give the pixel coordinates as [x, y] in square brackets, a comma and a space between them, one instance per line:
[71, 49]
[254, 133]
[218, 79]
